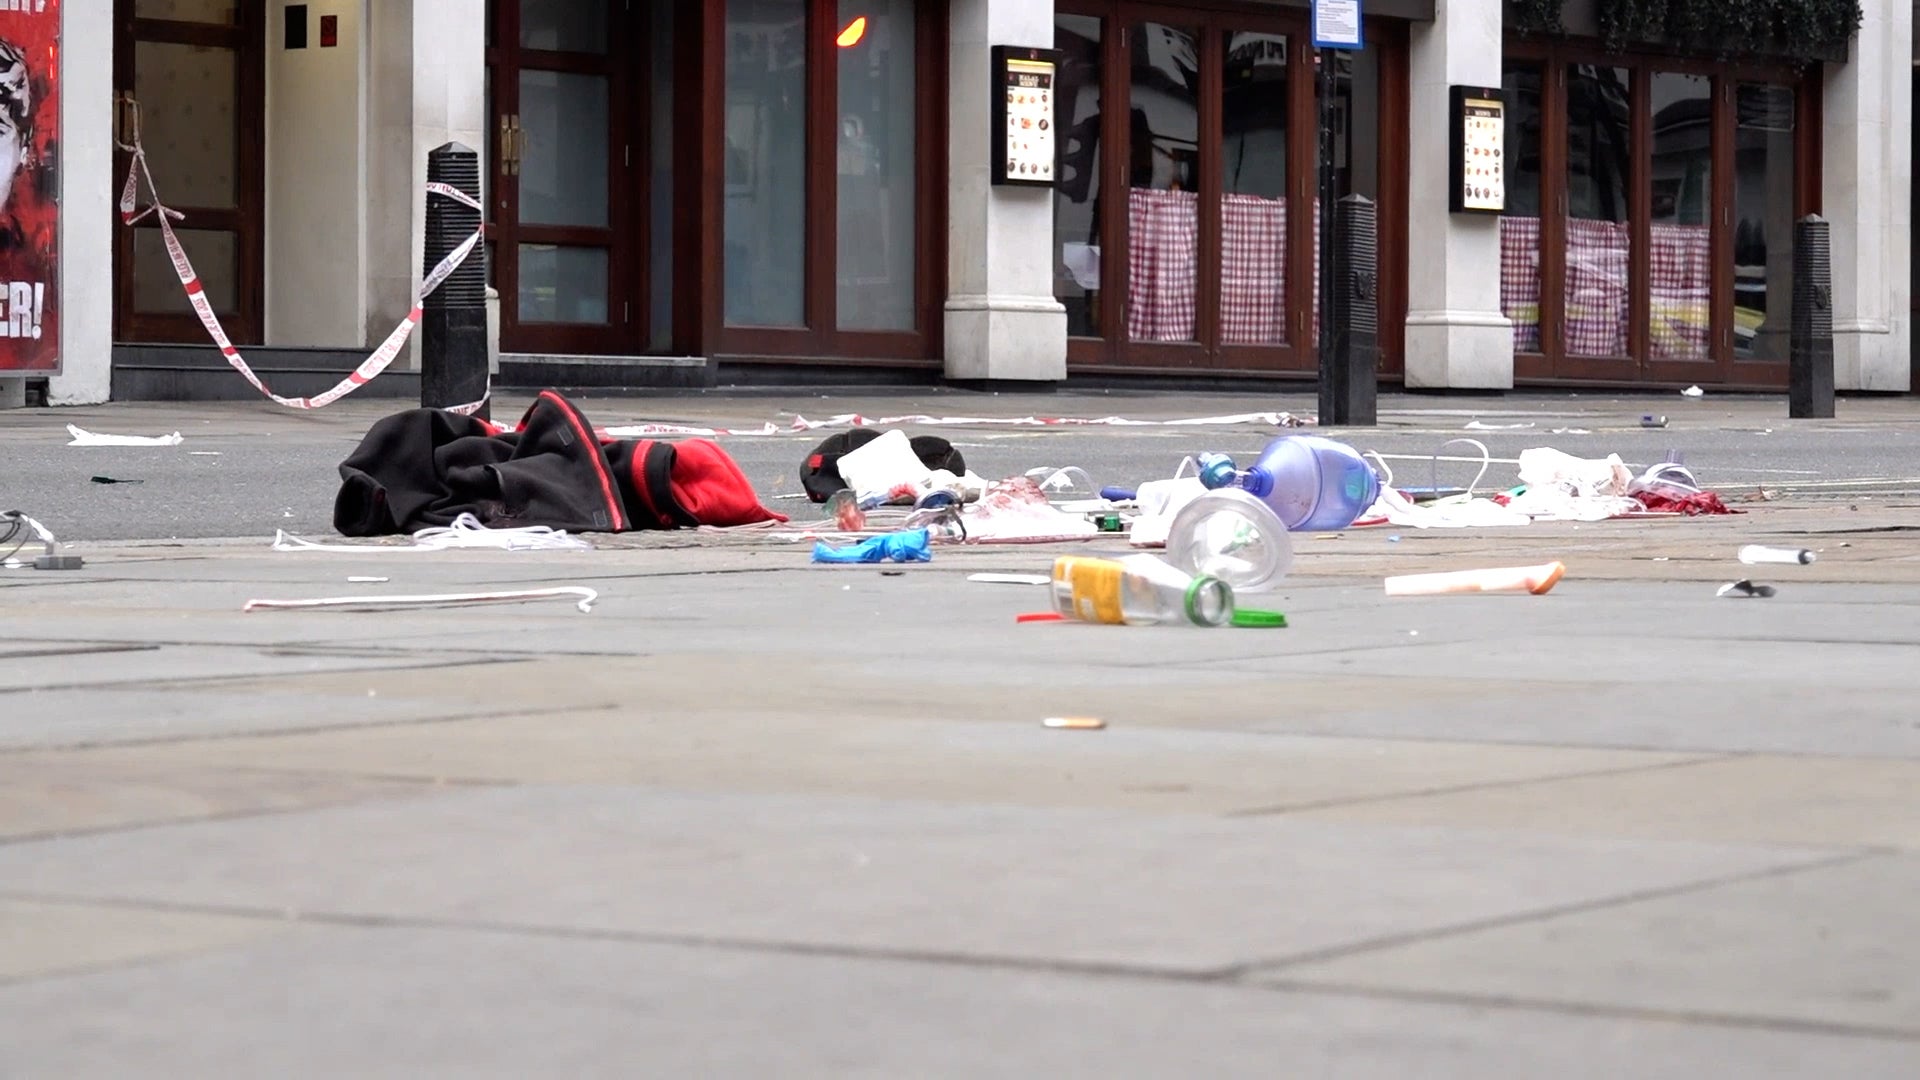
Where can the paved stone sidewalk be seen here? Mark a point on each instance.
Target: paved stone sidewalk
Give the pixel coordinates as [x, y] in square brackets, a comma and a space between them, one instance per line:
[752, 817]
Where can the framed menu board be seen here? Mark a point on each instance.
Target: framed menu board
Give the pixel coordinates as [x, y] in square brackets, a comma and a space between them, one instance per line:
[1024, 95]
[1479, 172]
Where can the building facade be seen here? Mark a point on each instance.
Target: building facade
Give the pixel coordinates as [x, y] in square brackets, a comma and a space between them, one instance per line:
[767, 184]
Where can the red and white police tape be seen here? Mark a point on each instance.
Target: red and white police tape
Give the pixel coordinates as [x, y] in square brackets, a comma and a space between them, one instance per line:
[197, 295]
[801, 424]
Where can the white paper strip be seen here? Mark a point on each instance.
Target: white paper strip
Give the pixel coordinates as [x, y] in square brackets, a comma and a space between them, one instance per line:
[584, 599]
[88, 438]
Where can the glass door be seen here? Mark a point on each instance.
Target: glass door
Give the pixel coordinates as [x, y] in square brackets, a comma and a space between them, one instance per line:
[565, 174]
[831, 140]
[196, 70]
[1189, 185]
[1649, 226]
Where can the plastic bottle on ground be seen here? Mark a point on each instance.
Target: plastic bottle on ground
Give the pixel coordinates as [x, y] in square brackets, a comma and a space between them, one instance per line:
[1313, 484]
[1139, 590]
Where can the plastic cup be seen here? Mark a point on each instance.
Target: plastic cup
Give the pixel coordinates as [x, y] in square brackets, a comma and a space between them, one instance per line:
[1231, 535]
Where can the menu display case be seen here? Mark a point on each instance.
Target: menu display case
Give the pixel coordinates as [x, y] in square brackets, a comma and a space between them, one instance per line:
[1025, 96]
[1479, 167]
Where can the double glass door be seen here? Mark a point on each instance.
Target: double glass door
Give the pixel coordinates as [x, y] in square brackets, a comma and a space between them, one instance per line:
[1186, 219]
[1649, 226]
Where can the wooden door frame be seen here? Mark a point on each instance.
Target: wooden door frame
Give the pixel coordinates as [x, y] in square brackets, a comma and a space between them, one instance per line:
[629, 219]
[247, 39]
[1170, 357]
[1111, 350]
[700, 95]
[1721, 367]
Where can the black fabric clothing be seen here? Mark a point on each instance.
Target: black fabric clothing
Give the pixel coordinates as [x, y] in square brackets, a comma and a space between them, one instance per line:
[426, 467]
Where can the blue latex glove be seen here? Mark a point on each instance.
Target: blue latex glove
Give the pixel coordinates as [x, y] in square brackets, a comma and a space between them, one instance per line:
[913, 546]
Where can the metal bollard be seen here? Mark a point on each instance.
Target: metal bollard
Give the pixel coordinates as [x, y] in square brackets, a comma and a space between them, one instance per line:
[453, 321]
[1350, 354]
[1810, 353]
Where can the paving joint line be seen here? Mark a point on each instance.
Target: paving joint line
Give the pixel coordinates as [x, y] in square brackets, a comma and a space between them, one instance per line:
[1693, 1017]
[285, 733]
[203, 682]
[1283, 809]
[400, 789]
[931, 958]
[1251, 968]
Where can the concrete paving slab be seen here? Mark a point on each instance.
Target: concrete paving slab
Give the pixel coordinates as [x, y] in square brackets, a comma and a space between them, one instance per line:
[376, 1003]
[1868, 665]
[984, 760]
[1169, 893]
[103, 716]
[1758, 714]
[1836, 944]
[47, 795]
[178, 662]
[51, 651]
[1838, 802]
[38, 940]
[776, 691]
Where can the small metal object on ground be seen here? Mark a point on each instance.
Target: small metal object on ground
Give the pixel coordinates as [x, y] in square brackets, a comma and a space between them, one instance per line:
[1651, 421]
[1075, 723]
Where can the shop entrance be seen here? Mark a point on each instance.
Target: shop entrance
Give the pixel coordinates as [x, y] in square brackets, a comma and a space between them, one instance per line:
[573, 87]
[1190, 143]
[197, 70]
[1650, 210]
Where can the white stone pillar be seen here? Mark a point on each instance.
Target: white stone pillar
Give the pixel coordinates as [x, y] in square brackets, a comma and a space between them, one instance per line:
[88, 215]
[428, 75]
[1002, 321]
[1868, 175]
[1456, 335]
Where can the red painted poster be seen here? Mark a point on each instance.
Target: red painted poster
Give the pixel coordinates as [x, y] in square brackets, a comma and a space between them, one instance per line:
[29, 185]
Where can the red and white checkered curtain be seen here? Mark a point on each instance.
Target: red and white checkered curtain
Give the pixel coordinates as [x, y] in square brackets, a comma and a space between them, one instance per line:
[1520, 280]
[1597, 309]
[1598, 301]
[1682, 291]
[1163, 256]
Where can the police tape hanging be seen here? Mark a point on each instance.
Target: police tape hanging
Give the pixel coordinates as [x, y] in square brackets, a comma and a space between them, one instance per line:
[369, 369]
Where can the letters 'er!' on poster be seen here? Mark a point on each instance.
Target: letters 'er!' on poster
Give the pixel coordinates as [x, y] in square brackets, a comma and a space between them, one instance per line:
[29, 186]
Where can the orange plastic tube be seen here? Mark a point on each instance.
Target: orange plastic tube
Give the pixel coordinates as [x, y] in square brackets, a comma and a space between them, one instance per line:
[1532, 579]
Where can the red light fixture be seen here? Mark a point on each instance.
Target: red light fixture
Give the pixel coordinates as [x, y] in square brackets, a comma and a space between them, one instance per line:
[856, 30]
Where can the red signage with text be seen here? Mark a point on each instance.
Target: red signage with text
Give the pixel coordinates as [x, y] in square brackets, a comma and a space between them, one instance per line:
[29, 185]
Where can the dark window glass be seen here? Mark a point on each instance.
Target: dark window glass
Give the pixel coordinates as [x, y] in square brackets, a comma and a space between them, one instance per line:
[1599, 239]
[1076, 199]
[1762, 220]
[1520, 225]
[1163, 166]
[1681, 285]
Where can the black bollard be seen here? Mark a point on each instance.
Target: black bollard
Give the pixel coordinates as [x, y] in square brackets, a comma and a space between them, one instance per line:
[1810, 353]
[453, 320]
[1349, 350]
